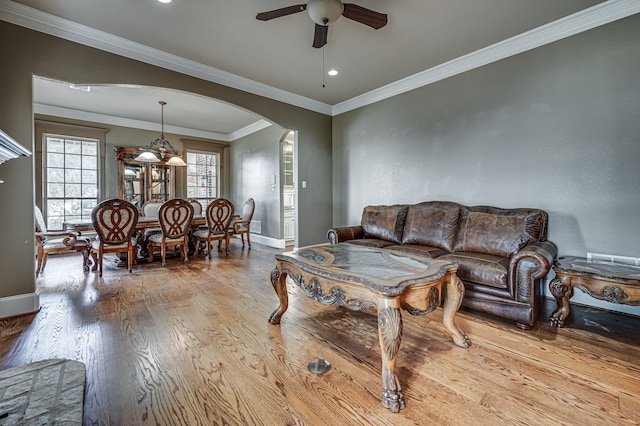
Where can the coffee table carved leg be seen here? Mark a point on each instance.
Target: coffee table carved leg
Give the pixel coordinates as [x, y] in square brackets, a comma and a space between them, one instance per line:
[390, 334]
[279, 283]
[561, 290]
[453, 298]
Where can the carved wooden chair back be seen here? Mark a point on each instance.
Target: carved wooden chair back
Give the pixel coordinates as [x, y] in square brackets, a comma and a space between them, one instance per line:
[115, 223]
[175, 223]
[219, 214]
[175, 217]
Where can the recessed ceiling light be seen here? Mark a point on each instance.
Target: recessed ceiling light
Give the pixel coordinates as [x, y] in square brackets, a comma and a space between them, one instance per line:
[164, 1]
[332, 72]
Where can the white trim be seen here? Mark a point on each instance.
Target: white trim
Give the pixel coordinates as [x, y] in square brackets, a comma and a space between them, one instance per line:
[265, 241]
[247, 130]
[587, 19]
[20, 304]
[125, 122]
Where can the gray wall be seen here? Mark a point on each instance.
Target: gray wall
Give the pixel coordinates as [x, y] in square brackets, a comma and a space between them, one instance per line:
[556, 128]
[28, 52]
[256, 159]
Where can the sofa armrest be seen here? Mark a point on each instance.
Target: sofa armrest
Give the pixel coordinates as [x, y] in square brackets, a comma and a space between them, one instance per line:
[531, 263]
[338, 235]
[543, 254]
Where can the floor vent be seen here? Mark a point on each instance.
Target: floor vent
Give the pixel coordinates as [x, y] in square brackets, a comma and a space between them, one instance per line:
[612, 258]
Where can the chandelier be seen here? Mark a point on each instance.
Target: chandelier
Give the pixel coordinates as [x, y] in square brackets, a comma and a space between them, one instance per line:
[163, 147]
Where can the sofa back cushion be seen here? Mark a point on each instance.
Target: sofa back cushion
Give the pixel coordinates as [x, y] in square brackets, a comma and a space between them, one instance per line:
[501, 232]
[433, 224]
[384, 222]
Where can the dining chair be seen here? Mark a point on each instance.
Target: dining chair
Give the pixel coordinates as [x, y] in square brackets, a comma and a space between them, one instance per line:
[219, 213]
[57, 242]
[115, 223]
[242, 225]
[151, 209]
[197, 207]
[175, 223]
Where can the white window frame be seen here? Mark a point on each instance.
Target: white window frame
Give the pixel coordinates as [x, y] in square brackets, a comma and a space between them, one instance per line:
[217, 157]
[85, 213]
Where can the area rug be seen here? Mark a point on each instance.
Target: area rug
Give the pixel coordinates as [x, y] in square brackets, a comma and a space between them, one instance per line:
[49, 392]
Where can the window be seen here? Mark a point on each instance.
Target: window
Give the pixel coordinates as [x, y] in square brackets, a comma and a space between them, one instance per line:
[202, 176]
[70, 179]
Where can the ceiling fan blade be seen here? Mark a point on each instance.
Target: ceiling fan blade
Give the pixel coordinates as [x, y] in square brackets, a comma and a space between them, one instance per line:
[320, 35]
[277, 13]
[364, 16]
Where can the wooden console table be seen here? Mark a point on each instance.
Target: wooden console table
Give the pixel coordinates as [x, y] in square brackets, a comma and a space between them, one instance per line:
[613, 282]
[358, 277]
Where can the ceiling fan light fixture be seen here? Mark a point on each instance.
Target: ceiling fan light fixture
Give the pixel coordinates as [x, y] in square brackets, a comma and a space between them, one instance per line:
[324, 12]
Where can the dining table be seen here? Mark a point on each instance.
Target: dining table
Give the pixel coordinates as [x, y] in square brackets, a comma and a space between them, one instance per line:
[144, 223]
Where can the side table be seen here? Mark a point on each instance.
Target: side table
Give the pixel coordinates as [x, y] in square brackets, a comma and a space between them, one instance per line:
[612, 282]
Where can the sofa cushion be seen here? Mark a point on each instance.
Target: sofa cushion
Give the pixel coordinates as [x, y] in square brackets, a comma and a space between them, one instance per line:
[481, 268]
[433, 223]
[384, 222]
[500, 232]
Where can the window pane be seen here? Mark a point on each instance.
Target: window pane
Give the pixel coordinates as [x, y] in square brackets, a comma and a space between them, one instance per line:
[73, 190]
[72, 176]
[55, 145]
[55, 190]
[55, 222]
[73, 161]
[72, 207]
[89, 176]
[55, 160]
[89, 148]
[89, 162]
[55, 175]
[73, 147]
[90, 190]
[87, 208]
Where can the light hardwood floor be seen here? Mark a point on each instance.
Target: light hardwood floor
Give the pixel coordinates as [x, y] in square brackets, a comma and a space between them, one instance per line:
[190, 344]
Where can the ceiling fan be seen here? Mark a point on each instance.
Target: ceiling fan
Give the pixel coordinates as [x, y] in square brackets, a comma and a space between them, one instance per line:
[325, 12]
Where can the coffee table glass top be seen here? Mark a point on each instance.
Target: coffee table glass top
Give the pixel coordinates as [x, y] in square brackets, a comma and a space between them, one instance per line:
[371, 266]
[605, 270]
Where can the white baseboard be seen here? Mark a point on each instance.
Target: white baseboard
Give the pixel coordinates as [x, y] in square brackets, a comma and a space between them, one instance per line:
[266, 241]
[20, 304]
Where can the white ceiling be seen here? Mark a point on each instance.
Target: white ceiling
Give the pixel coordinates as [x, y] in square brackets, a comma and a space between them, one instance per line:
[424, 40]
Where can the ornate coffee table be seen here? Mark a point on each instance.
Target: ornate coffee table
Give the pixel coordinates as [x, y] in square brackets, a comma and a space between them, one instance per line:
[613, 282]
[358, 277]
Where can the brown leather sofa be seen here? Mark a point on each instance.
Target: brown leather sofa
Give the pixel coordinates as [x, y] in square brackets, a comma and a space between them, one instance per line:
[502, 254]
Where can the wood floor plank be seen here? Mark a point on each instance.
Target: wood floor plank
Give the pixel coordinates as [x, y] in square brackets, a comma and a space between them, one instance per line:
[190, 344]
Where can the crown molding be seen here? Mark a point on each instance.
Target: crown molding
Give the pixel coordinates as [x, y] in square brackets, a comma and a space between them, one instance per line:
[587, 19]
[37, 20]
[125, 122]
[247, 130]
